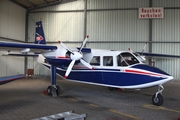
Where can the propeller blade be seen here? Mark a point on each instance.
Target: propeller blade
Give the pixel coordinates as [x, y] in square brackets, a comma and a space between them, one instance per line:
[144, 48]
[84, 42]
[69, 68]
[64, 46]
[86, 64]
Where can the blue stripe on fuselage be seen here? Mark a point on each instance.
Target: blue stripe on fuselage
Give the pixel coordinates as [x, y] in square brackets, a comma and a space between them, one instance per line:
[112, 78]
[109, 77]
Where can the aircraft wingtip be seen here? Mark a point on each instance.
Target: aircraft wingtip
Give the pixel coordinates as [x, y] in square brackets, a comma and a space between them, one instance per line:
[65, 77]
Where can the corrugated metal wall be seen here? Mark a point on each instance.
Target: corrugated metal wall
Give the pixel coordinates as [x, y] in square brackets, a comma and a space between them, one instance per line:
[12, 26]
[166, 34]
[114, 24]
[12, 20]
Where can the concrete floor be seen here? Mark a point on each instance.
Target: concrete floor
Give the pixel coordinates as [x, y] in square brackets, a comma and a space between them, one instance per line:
[24, 99]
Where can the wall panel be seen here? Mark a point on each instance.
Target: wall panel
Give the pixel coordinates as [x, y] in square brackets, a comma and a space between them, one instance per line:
[12, 26]
[12, 20]
[109, 4]
[68, 6]
[166, 33]
[58, 26]
[11, 65]
[120, 25]
[166, 3]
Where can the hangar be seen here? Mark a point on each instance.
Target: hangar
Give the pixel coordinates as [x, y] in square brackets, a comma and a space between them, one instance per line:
[111, 24]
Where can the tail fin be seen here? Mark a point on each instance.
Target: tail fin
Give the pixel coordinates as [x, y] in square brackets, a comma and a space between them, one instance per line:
[39, 37]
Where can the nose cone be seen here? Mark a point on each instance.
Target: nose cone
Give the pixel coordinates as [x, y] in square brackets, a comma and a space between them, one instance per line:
[150, 68]
[76, 56]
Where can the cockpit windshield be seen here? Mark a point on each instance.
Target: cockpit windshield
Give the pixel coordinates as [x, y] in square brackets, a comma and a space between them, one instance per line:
[126, 59]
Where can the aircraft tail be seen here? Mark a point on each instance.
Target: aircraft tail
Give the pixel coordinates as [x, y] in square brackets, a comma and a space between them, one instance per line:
[39, 37]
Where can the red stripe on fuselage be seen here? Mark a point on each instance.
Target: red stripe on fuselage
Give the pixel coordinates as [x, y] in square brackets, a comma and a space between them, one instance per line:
[141, 72]
[63, 57]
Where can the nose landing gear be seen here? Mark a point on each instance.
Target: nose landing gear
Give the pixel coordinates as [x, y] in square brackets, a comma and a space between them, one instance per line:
[157, 99]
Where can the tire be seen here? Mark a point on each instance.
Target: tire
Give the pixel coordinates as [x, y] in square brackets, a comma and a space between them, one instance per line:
[157, 101]
[49, 90]
[112, 88]
[58, 90]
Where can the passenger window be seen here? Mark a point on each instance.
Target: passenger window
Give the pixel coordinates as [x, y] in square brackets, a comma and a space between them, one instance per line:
[95, 61]
[108, 61]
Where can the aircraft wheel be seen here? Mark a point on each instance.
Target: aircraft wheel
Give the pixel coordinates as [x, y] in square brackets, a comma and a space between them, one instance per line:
[58, 90]
[158, 101]
[112, 88]
[49, 90]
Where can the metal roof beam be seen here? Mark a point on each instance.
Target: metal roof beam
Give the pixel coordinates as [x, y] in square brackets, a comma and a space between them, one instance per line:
[50, 4]
[32, 4]
[45, 1]
[14, 1]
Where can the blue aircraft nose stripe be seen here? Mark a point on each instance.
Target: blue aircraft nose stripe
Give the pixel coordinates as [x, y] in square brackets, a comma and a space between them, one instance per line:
[150, 68]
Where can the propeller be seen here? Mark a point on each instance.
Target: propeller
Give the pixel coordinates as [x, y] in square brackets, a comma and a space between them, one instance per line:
[76, 55]
[69, 68]
[84, 42]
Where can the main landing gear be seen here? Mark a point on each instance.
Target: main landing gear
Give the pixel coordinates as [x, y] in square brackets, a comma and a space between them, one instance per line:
[53, 90]
[157, 99]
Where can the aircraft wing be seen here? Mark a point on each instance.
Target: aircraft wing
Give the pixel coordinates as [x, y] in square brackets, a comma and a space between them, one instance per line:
[26, 47]
[4, 80]
[158, 55]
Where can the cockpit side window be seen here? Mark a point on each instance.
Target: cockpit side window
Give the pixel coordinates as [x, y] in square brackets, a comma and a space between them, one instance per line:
[108, 61]
[126, 59]
[95, 61]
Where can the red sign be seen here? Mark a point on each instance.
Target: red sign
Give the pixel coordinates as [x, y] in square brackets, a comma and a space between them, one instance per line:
[153, 12]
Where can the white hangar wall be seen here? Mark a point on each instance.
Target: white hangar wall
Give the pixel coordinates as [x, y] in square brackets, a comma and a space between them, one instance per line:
[114, 24]
[12, 20]
[12, 27]
[165, 33]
